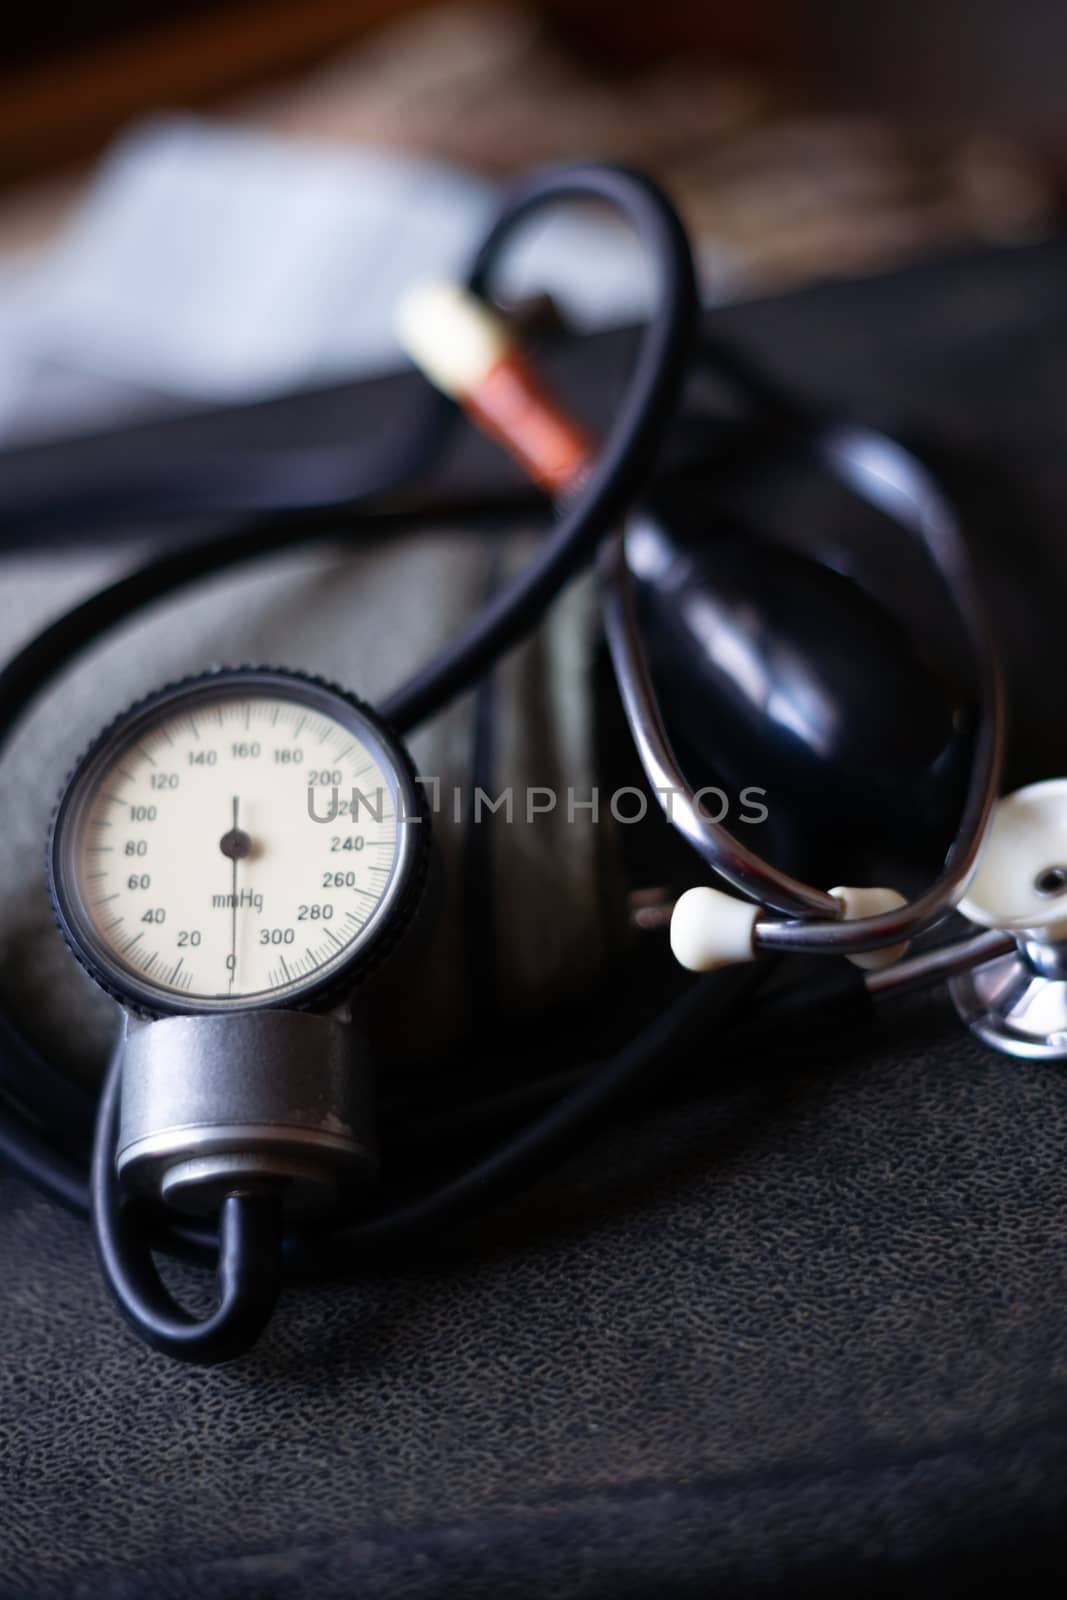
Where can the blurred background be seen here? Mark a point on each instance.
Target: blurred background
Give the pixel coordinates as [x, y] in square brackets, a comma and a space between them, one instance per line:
[211, 203]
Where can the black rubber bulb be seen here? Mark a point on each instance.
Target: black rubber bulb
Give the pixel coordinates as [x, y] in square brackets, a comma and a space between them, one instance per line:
[775, 671]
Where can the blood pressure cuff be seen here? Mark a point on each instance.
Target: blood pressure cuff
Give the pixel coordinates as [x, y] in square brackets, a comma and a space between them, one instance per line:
[800, 1331]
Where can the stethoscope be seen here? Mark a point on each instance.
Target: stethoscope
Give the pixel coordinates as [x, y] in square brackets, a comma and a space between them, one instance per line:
[240, 857]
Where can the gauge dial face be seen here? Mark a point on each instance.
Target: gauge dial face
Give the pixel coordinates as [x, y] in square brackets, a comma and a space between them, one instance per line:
[237, 842]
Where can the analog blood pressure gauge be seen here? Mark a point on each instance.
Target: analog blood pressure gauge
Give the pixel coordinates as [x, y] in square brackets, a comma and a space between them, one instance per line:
[245, 839]
[230, 859]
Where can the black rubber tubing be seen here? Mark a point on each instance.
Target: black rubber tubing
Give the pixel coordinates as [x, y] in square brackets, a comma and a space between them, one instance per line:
[250, 1232]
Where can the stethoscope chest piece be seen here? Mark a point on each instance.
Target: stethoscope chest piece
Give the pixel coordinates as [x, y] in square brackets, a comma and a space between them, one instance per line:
[1018, 1002]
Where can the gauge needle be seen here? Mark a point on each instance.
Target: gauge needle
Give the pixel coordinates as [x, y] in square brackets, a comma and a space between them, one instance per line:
[235, 844]
[233, 898]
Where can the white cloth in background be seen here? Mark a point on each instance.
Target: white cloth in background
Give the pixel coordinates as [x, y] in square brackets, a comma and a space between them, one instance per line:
[209, 264]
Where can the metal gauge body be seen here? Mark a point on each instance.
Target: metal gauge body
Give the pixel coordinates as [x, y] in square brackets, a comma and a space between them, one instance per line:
[249, 838]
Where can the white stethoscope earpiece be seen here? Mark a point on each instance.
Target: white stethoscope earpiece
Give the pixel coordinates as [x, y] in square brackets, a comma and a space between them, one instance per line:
[711, 929]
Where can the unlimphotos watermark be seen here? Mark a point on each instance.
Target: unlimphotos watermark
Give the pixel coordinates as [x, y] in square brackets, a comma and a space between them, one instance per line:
[516, 803]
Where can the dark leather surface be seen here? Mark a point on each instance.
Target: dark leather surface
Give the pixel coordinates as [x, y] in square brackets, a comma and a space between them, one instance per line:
[806, 1330]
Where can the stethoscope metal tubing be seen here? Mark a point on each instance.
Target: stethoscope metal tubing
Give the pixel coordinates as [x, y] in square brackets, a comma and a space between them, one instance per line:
[945, 961]
[724, 853]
